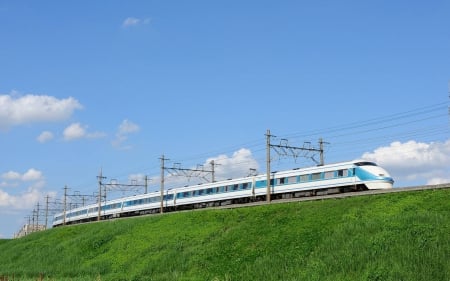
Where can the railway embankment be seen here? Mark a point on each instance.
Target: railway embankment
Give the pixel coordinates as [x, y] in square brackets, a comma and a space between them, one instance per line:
[394, 236]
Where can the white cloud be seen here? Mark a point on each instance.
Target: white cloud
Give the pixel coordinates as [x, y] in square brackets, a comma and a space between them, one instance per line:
[74, 131]
[23, 201]
[45, 137]
[32, 181]
[78, 131]
[125, 128]
[427, 163]
[11, 176]
[4, 184]
[132, 21]
[32, 175]
[18, 110]
[238, 165]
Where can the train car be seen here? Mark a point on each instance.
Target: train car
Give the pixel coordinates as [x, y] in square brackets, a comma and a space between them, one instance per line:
[314, 181]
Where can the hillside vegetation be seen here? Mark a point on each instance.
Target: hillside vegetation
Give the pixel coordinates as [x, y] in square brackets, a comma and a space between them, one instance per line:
[401, 236]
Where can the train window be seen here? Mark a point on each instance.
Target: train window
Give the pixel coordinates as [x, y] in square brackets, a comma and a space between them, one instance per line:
[292, 179]
[342, 173]
[235, 186]
[201, 191]
[304, 177]
[329, 175]
[245, 185]
[365, 164]
[316, 176]
[281, 181]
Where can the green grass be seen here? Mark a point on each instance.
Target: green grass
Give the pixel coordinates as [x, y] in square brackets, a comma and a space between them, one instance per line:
[401, 236]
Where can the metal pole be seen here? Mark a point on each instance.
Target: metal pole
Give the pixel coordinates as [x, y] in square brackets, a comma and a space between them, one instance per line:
[65, 202]
[321, 151]
[212, 171]
[33, 226]
[46, 210]
[268, 165]
[162, 184]
[146, 183]
[37, 217]
[100, 178]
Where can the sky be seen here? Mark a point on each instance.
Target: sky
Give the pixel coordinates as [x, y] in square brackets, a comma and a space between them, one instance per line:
[90, 86]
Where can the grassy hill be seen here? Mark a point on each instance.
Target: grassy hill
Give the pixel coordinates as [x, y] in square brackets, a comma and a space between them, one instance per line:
[401, 236]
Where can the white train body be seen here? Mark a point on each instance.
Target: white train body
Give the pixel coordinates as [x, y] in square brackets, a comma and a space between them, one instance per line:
[320, 180]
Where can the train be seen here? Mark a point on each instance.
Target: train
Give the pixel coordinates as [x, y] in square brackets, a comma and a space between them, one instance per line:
[327, 179]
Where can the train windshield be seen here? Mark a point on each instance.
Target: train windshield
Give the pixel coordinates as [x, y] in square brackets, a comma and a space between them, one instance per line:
[365, 164]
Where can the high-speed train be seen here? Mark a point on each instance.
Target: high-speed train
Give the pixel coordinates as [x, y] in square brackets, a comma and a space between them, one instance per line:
[314, 181]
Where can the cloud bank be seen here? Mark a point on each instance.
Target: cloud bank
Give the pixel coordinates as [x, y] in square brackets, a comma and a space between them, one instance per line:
[32, 181]
[426, 163]
[27, 109]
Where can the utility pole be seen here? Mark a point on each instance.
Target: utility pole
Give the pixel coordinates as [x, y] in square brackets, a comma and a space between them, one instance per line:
[37, 216]
[46, 210]
[321, 152]
[146, 183]
[268, 135]
[65, 202]
[162, 183]
[34, 215]
[100, 177]
[212, 171]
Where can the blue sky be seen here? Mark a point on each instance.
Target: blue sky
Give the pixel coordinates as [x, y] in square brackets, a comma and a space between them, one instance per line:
[90, 85]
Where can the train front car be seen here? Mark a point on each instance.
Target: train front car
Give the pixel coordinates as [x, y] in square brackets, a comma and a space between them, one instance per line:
[373, 176]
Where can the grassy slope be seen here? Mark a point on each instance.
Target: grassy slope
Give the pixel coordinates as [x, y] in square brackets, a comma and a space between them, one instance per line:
[386, 237]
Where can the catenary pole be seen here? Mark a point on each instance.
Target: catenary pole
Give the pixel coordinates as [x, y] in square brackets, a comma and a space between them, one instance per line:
[268, 164]
[100, 177]
[162, 183]
[65, 203]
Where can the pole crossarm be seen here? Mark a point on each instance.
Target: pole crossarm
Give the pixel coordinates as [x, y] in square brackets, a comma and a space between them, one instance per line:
[285, 150]
[199, 172]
